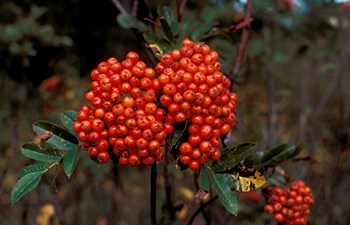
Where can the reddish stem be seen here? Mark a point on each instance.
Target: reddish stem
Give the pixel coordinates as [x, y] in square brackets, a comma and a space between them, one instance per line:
[243, 43]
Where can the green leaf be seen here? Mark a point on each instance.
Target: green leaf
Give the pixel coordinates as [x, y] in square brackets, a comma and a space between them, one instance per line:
[128, 21]
[279, 154]
[68, 118]
[204, 180]
[167, 30]
[167, 14]
[233, 156]
[44, 154]
[174, 139]
[221, 184]
[24, 185]
[39, 167]
[70, 161]
[55, 135]
[158, 45]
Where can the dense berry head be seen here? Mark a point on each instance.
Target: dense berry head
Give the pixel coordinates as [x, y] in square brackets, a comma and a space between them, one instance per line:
[124, 121]
[194, 89]
[290, 205]
[135, 107]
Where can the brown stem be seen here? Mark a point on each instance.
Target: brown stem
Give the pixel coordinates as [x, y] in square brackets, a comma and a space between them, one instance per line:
[201, 208]
[243, 43]
[119, 6]
[135, 5]
[180, 8]
[153, 194]
[167, 186]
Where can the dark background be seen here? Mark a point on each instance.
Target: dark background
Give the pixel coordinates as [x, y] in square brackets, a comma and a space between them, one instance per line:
[292, 88]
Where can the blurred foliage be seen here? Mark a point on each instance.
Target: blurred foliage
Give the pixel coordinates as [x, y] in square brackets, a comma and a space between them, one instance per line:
[292, 89]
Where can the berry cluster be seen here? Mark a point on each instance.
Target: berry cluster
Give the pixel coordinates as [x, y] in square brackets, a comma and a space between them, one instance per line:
[290, 206]
[135, 107]
[195, 89]
[124, 119]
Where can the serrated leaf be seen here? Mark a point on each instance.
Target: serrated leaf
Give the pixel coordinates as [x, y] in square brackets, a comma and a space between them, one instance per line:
[221, 184]
[61, 138]
[24, 185]
[248, 180]
[279, 154]
[44, 154]
[128, 21]
[204, 182]
[158, 45]
[232, 157]
[70, 161]
[68, 118]
[39, 167]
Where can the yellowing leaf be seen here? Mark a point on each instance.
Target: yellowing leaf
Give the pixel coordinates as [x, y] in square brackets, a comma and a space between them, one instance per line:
[156, 49]
[248, 180]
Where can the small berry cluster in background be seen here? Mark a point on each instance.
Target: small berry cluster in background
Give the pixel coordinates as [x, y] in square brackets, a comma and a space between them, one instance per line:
[135, 107]
[290, 205]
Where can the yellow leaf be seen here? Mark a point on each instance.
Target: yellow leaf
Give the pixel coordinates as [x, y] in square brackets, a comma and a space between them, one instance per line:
[156, 49]
[248, 180]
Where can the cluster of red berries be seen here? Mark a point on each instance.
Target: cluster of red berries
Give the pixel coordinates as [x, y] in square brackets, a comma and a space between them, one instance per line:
[290, 206]
[124, 119]
[135, 107]
[195, 89]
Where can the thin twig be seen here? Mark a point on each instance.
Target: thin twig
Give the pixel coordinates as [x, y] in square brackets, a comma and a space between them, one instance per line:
[135, 6]
[336, 75]
[201, 208]
[119, 6]
[330, 88]
[243, 43]
[180, 9]
[153, 194]
[167, 186]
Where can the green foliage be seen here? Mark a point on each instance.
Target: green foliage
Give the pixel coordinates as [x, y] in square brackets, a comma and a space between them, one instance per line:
[21, 35]
[43, 153]
[31, 169]
[67, 119]
[221, 184]
[55, 141]
[25, 184]
[204, 178]
[232, 156]
[275, 156]
[70, 161]
[128, 21]
[55, 135]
